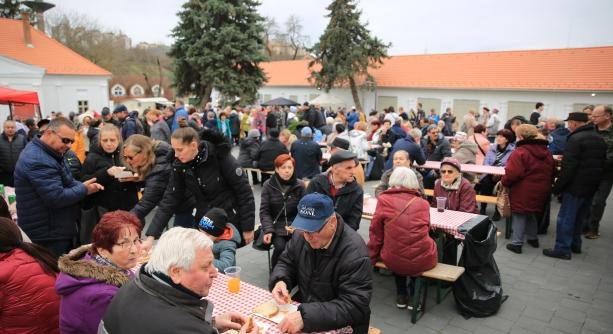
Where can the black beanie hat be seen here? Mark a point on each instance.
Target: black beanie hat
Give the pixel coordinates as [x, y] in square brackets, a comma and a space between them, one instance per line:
[213, 222]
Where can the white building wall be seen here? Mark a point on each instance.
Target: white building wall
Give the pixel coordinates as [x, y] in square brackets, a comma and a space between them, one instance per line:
[62, 93]
[557, 104]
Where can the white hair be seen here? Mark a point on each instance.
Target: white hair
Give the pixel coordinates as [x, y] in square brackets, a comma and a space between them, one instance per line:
[403, 177]
[415, 133]
[177, 248]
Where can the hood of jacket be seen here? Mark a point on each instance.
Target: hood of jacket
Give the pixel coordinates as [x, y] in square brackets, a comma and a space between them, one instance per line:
[80, 270]
[248, 142]
[536, 147]
[356, 133]
[230, 233]
[163, 153]
[470, 146]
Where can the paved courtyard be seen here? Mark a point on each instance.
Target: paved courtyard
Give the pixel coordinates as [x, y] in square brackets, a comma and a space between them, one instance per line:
[545, 295]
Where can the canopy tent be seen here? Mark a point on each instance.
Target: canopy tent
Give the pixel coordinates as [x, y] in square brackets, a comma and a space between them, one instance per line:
[280, 101]
[327, 99]
[22, 104]
[9, 96]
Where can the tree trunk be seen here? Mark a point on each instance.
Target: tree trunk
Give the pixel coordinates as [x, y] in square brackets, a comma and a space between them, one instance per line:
[295, 52]
[206, 95]
[354, 94]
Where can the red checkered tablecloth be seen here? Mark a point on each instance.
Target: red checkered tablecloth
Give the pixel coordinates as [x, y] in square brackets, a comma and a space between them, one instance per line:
[243, 302]
[449, 221]
[468, 168]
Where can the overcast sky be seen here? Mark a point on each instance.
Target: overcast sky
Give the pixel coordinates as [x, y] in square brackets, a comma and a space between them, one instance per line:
[412, 26]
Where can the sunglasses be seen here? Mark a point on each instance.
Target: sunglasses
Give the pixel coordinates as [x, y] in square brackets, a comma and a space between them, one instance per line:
[447, 171]
[65, 141]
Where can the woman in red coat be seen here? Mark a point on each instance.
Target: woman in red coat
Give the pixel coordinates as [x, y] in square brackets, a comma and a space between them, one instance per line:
[399, 231]
[529, 175]
[460, 194]
[28, 301]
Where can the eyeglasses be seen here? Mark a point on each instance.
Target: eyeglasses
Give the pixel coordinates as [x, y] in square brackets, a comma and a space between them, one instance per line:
[447, 171]
[129, 243]
[127, 157]
[66, 141]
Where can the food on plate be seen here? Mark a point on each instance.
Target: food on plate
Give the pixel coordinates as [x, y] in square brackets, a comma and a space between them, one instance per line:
[267, 310]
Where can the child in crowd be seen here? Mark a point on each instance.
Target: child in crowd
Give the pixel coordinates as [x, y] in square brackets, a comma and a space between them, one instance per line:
[225, 236]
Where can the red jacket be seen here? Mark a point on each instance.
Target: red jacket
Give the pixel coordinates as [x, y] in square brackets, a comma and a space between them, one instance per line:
[464, 199]
[28, 301]
[529, 175]
[408, 250]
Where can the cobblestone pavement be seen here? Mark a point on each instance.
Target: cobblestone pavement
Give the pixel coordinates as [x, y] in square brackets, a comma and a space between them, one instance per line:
[545, 295]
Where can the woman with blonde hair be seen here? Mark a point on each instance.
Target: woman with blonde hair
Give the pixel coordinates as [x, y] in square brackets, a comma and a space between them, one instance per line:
[150, 160]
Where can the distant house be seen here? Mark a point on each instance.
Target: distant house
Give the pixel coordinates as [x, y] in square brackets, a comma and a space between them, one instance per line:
[564, 80]
[137, 94]
[65, 81]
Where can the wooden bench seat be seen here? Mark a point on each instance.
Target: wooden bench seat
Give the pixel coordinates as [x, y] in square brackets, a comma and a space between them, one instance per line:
[257, 171]
[442, 272]
[480, 198]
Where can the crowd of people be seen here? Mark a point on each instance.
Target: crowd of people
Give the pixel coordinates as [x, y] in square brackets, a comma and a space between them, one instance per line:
[94, 191]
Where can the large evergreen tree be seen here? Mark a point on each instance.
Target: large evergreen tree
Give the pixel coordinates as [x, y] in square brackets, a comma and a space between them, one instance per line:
[218, 44]
[345, 51]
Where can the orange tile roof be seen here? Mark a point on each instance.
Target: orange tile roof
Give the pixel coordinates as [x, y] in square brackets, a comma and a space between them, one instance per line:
[583, 69]
[47, 53]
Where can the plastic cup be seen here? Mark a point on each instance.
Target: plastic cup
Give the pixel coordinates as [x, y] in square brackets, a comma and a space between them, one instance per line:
[440, 204]
[234, 279]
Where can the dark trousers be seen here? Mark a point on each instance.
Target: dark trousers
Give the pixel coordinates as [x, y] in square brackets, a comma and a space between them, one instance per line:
[278, 244]
[569, 227]
[57, 247]
[401, 285]
[184, 219]
[599, 201]
[7, 179]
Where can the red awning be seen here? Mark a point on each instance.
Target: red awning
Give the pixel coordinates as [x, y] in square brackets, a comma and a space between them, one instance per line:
[8, 95]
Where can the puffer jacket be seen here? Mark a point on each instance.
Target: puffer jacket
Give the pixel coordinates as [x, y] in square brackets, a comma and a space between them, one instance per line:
[269, 151]
[348, 202]
[160, 131]
[28, 302]
[48, 196]
[467, 154]
[529, 174]
[583, 163]
[248, 152]
[358, 144]
[116, 195]
[274, 203]
[212, 180]
[404, 244]
[224, 248]
[308, 157]
[86, 288]
[335, 284]
[463, 199]
[9, 152]
[155, 182]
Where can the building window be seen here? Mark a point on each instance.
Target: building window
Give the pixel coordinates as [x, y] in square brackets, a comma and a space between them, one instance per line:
[118, 90]
[157, 91]
[82, 106]
[137, 90]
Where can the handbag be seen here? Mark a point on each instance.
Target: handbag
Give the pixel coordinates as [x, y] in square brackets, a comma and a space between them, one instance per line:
[258, 237]
[503, 202]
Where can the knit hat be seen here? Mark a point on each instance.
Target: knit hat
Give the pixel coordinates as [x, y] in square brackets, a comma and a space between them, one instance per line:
[453, 163]
[213, 222]
[306, 132]
[253, 133]
[460, 136]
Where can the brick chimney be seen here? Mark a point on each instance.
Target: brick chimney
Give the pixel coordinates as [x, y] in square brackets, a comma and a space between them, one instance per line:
[27, 33]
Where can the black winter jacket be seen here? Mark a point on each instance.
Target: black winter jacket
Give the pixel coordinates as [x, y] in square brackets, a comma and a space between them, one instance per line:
[155, 182]
[161, 309]
[583, 163]
[116, 195]
[282, 206]
[269, 151]
[248, 152]
[9, 152]
[348, 202]
[212, 180]
[335, 284]
[440, 151]
[308, 156]
[235, 124]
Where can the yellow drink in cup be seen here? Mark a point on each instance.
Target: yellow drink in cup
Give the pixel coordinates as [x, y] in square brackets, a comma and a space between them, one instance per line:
[234, 280]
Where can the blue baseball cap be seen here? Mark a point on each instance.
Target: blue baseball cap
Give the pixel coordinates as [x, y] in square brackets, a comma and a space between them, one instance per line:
[313, 211]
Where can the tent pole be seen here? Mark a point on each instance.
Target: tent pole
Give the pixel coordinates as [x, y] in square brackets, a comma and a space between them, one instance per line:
[11, 110]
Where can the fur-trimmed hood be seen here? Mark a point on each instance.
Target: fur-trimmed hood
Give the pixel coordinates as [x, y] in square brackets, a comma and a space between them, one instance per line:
[78, 268]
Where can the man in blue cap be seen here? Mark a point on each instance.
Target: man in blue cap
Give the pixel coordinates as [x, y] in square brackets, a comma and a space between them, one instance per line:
[329, 264]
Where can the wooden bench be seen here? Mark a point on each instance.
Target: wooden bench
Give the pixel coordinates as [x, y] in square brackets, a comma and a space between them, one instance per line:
[488, 200]
[441, 273]
[257, 171]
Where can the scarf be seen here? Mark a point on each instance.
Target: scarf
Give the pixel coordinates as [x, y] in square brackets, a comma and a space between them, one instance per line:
[283, 183]
[500, 152]
[454, 186]
[101, 260]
